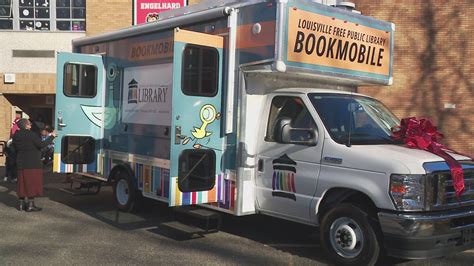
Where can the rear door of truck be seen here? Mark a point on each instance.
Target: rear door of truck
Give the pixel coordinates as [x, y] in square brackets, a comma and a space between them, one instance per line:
[197, 141]
[79, 113]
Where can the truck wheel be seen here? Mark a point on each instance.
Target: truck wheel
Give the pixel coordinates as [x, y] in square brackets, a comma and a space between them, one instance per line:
[348, 236]
[125, 194]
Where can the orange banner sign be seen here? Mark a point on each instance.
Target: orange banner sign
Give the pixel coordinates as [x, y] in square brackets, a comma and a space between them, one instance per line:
[331, 42]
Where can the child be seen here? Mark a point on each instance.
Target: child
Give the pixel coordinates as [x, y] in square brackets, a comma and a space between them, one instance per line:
[46, 152]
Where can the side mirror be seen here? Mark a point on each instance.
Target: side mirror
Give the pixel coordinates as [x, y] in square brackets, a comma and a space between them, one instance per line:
[280, 131]
[285, 133]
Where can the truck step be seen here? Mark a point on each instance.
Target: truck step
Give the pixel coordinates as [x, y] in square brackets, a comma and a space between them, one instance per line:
[208, 220]
[82, 185]
[182, 228]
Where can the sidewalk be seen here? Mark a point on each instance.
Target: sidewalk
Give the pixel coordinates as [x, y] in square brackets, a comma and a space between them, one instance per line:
[88, 230]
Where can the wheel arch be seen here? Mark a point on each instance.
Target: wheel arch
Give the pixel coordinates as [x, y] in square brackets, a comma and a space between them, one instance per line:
[122, 167]
[338, 195]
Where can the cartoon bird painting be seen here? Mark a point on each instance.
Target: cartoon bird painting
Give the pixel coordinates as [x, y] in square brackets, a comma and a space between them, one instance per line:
[208, 114]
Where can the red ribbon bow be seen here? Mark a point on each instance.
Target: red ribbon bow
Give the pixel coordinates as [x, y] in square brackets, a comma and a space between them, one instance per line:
[422, 134]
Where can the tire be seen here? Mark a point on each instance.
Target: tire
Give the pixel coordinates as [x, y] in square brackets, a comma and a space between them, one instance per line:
[350, 236]
[126, 195]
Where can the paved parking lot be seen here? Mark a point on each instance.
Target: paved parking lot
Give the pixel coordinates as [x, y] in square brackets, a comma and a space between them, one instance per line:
[88, 230]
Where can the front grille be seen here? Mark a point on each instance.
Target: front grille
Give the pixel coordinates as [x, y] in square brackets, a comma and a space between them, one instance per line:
[444, 196]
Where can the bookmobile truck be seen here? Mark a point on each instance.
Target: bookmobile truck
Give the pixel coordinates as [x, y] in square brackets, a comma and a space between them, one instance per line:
[249, 107]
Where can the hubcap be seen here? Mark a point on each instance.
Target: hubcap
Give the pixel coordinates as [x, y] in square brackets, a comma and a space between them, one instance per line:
[346, 237]
[122, 192]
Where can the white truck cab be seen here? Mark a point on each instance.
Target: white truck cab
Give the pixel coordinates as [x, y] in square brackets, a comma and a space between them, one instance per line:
[328, 158]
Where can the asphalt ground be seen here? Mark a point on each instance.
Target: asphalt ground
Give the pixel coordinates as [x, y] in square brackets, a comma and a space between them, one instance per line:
[87, 230]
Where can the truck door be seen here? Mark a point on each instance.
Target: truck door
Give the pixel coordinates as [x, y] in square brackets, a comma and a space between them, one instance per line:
[79, 113]
[197, 140]
[288, 173]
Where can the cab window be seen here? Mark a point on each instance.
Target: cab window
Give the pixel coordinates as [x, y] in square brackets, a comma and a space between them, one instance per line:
[290, 107]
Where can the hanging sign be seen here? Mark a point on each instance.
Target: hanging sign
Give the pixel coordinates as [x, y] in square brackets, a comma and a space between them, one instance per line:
[145, 11]
[335, 42]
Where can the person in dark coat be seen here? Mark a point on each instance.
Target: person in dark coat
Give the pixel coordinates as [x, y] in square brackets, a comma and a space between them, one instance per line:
[10, 162]
[30, 168]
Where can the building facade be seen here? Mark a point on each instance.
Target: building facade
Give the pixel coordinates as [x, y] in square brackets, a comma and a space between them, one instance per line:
[433, 66]
[31, 33]
[433, 73]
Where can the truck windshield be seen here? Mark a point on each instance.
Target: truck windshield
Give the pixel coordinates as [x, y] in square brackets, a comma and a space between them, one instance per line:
[354, 118]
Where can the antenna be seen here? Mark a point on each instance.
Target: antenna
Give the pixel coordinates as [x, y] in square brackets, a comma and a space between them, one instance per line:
[351, 108]
[348, 144]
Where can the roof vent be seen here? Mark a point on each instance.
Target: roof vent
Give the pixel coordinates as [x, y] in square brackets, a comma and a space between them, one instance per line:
[349, 6]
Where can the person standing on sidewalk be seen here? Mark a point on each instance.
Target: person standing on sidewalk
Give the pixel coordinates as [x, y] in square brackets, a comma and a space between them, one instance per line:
[30, 168]
[10, 162]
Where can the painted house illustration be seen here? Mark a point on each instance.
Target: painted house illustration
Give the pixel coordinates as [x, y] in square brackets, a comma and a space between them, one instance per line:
[133, 91]
[283, 181]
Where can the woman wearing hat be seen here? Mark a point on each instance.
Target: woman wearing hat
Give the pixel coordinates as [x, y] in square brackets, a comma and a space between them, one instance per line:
[30, 169]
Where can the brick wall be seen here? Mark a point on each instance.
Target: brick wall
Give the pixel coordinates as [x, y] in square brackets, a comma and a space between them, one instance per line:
[30, 83]
[108, 15]
[5, 117]
[432, 64]
[25, 84]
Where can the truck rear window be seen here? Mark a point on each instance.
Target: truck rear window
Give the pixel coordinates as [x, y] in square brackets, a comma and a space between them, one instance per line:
[80, 80]
[200, 71]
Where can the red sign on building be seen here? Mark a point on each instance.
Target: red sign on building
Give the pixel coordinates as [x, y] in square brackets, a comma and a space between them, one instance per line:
[148, 10]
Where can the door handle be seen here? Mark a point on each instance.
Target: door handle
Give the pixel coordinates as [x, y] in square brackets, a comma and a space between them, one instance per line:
[260, 165]
[177, 135]
[60, 122]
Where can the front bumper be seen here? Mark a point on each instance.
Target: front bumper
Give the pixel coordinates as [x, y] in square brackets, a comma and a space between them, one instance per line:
[427, 235]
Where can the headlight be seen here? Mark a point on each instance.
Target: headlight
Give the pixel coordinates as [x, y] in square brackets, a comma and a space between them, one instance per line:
[408, 192]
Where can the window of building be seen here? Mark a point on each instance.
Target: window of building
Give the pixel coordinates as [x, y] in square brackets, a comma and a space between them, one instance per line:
[34, 14]
[200, 71]
[6, 15]
[71, 15]
[43, 15]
